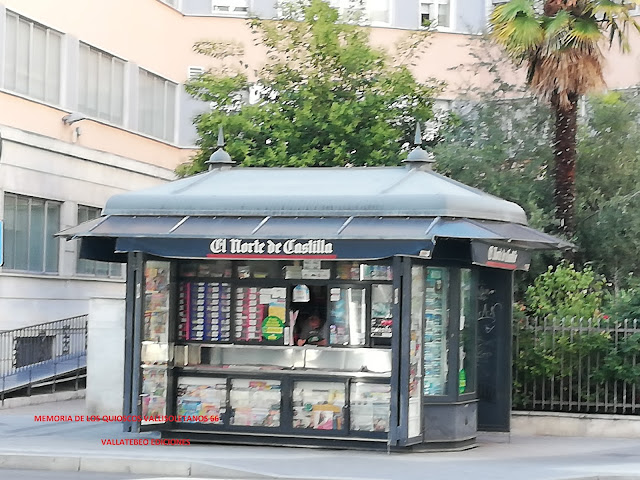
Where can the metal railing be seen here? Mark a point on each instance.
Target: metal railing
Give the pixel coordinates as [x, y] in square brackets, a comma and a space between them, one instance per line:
[577, 365]
[46, 350]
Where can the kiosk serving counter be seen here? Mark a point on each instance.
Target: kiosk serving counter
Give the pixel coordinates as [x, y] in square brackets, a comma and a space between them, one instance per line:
[406, 274]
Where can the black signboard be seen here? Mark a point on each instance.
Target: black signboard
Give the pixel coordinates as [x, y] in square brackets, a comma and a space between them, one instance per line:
[274, 249]
[500, 256]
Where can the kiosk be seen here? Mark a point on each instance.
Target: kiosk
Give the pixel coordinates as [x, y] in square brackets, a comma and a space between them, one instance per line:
[409, 272]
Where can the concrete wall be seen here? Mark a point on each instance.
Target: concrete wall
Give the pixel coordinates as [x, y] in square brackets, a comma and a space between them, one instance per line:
[36, 166]
[575, 425]
[105, 356]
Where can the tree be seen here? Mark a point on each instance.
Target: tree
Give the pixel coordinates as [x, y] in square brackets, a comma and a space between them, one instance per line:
[608, 186]
[326, 97]
[560, 47]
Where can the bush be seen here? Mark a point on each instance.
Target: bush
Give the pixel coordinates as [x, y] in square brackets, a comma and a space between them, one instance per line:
[564, 292]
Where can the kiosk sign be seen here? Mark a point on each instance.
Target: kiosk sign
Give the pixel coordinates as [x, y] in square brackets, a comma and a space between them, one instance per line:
[497, 256]
[237, 246]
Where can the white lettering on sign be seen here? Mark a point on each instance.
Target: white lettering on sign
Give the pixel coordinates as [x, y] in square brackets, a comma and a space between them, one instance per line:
[506, 255]
[219, 245]
[287, 247]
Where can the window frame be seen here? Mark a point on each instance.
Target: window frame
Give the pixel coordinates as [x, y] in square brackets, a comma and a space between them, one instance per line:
[168, 128]
[51, 93]
[433, 7]
[116, 113]
[231, 5]
[51, 247]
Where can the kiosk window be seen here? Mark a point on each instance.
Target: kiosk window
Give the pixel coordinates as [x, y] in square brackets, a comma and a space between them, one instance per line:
[436, 346]
[347, 316]
[318, 405]
[255, 403]
[369, 407]
[381, 304]
[466, 380]
[211, 268]
[202, 399]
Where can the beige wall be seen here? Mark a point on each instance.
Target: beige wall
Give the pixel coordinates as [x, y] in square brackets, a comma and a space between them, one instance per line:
[160, 39]
[45, 120]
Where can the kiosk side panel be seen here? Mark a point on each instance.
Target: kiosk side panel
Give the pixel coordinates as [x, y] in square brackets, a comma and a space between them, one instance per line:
[494, 349]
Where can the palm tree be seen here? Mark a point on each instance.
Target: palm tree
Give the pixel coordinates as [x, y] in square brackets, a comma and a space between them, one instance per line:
[560, 46]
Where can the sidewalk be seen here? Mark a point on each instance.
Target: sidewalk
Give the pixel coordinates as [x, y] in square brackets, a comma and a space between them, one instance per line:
[25, 443]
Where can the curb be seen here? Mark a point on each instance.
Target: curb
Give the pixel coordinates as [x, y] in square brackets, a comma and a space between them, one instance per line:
[136, 466]
[40, 399]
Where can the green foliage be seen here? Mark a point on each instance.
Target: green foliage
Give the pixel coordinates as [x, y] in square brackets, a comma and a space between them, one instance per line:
[564, 292]
[327, 98]
[626, 304]
[502, 147]
[568, 360]
[608, 186]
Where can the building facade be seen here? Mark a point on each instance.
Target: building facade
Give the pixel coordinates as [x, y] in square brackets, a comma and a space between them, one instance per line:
[92, 104]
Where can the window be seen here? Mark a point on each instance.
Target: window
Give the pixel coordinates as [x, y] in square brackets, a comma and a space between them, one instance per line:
[436, 13]
[156, 112]
[92, 267]
[230, 7]
[363, 11]
[29, 228]
[100, 84]
[32, 59]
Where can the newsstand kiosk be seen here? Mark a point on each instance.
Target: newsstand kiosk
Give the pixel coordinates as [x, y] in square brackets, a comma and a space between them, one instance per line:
[410, 273]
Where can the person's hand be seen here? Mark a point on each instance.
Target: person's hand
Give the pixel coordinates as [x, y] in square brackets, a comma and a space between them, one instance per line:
[301, 342]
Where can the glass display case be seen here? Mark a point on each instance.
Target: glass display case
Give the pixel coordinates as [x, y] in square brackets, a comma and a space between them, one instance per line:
[154, 394]
[381, 310]
[466, 374]
[318, 405]
[370, 407]
[154, 353]
[255, 402]
[347, 316]
[239, 365]
[202, 397]
[436, 317]
[415, 351]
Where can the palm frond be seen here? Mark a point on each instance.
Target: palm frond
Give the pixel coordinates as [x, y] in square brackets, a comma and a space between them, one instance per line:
[506, 12]
[584, 34]
[615, 19]
[516, 28]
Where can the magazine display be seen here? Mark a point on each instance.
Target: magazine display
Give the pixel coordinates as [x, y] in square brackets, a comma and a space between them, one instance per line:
[154, 393]
[381, 304]
[319, 405]
[435, 332]
[204, 311]
[347, 316]
[156, 301]
[202, 397]
[255, 403]
[370, 407]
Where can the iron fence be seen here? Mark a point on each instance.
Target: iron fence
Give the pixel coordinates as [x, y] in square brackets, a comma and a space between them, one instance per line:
[577, 365]
[42, 351]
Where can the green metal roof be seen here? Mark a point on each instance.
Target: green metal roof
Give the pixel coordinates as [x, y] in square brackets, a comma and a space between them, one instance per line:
[317, 192]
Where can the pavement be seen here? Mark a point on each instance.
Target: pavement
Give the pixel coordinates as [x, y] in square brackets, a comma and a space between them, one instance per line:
[78, 446]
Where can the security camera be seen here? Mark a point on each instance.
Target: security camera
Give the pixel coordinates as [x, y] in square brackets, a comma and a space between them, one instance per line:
[72, 118]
